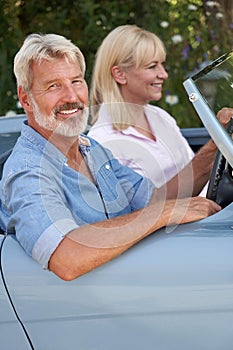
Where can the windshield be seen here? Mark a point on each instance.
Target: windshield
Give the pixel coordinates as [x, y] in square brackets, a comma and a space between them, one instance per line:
[215, 82]
[210, 90]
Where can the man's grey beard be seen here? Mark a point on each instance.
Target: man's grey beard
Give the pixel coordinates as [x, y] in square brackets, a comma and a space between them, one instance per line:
[71, 127]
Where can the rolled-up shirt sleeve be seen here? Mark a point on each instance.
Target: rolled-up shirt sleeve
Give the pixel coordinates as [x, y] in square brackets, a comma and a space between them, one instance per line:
[39, 217]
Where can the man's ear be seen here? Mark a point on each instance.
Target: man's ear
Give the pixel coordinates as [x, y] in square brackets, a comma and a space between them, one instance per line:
[24, 99]
[119, 75]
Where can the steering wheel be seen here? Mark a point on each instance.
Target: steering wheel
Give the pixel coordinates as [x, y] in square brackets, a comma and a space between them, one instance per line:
[220, 188]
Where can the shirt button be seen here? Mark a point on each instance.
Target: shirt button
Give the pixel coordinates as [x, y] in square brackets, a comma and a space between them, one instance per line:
[107, 166]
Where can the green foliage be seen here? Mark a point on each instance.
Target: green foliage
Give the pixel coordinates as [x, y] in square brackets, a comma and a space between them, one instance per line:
[192, 30]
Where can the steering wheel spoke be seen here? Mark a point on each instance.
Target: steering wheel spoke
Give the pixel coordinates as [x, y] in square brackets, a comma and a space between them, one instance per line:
[220, 188]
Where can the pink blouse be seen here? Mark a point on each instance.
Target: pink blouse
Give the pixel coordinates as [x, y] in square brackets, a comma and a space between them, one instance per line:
[158, 160]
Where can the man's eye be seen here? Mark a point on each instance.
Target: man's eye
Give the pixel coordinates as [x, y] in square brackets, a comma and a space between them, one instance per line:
[53, 86]
[78, 81]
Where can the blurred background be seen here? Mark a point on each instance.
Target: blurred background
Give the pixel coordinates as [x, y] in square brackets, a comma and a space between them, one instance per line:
[195, 32]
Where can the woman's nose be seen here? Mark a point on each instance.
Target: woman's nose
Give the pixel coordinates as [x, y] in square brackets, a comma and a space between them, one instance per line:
[162, 72]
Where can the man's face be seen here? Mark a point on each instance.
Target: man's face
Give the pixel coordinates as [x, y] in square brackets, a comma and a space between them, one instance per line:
[59, 97]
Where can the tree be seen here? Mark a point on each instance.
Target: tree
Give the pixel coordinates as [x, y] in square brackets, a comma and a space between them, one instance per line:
[194, 32]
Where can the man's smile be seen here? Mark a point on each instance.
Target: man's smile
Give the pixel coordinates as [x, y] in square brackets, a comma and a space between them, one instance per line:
[69, 109]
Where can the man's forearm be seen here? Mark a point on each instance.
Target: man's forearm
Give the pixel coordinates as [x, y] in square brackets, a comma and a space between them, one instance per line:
[93, 245]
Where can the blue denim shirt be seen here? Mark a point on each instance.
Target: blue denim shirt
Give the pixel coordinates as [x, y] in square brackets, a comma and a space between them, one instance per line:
[43, 199]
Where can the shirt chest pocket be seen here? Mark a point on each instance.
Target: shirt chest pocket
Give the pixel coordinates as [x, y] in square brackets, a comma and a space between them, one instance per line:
[116, 200]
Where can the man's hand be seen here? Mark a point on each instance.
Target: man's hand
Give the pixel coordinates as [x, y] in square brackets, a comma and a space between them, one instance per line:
[191, 209]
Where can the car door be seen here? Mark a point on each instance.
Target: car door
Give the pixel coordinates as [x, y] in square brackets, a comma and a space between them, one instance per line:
[173, 291]
[12, 333]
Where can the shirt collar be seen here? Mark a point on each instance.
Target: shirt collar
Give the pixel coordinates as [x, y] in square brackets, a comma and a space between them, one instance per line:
[43, 144]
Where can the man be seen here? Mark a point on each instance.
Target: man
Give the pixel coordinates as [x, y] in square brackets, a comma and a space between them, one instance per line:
[72, 205]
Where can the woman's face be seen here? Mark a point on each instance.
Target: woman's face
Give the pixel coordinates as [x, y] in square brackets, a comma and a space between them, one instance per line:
[145, 83]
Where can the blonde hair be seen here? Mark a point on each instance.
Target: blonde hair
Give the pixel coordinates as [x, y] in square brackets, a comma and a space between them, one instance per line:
[38, 47]
[126, 46]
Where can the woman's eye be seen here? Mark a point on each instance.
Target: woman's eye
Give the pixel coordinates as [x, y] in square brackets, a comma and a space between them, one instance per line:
[152, 66]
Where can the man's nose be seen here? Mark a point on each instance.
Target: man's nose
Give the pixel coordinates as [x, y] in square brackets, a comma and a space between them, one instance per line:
[69, 93]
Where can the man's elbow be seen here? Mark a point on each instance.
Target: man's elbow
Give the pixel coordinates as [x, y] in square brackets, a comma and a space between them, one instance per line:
[66, 274]
[64, 263]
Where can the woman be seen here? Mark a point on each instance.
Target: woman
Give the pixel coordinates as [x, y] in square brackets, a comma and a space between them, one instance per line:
[128, 73]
